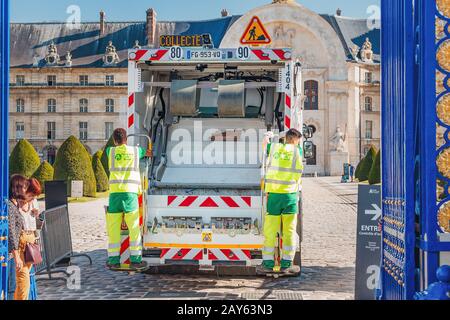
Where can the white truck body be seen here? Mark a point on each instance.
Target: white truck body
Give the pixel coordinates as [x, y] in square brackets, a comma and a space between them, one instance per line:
[207, 111]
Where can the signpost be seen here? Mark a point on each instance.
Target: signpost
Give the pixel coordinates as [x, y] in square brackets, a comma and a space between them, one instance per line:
[256, 34]
[368, 243]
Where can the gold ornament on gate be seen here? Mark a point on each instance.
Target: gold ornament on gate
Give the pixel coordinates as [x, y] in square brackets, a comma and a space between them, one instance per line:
[443, 163]
[444, 217]
[443, 55]
[443, 109]
[444, 7]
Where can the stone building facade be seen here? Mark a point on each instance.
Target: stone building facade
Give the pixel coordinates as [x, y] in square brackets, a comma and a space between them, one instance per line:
[341, 74]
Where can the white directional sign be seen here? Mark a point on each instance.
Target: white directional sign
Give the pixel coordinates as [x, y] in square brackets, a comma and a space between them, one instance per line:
[376, 212]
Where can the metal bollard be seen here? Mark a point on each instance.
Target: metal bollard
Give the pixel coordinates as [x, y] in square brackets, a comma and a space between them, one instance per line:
[438, 290]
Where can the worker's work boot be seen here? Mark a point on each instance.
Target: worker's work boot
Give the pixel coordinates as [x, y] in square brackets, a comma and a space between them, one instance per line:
[112, 266]
[262, 269]
[293, 270]
[139, 266]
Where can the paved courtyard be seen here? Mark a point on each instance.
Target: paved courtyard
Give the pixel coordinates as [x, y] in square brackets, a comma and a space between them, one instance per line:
[328, 258]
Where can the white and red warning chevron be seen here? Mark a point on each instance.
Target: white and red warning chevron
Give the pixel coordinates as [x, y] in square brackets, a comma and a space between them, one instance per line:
[125, 253]
[288, 112]
[150, 55]
[209, 202]
[182, 254]
[229, 255]
[271, 54]
[213, 254]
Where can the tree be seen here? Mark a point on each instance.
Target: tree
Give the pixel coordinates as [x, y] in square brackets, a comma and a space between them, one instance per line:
[99, 172]
[44, 173]
[104, 158]
[24, 159]
[375, 172]
[358, 169]
[366, 165]
[73, 163]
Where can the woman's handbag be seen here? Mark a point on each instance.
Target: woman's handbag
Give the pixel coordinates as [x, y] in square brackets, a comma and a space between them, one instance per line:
[33, 254]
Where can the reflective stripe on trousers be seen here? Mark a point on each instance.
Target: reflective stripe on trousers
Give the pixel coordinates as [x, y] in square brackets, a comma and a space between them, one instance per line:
[272, 226]
[114, 223]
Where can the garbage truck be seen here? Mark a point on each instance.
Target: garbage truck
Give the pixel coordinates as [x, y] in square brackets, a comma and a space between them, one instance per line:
[204, 113]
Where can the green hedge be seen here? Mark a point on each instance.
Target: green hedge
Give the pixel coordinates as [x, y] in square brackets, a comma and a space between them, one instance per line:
[44, 173]
[375, 172]
[99, 172]
[358, 169]
[366, 165]
[24, 159]
[73, 163]
[104, 158]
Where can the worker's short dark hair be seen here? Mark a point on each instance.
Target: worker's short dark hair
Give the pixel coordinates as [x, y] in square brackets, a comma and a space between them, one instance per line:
[293, 134]
[120, 136]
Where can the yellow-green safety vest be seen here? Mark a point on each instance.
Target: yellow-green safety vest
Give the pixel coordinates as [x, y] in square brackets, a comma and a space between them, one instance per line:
[284, 169]
[124, 170]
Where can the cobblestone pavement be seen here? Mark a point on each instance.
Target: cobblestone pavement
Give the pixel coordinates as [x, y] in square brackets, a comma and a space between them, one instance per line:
[328, 258]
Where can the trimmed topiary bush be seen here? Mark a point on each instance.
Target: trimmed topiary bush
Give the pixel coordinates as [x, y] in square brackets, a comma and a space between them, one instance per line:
[375, 172]
[44, 173]
[24, 159]
[99, 172]
[74, 163]
[104, 158]
[358, 169]
[366, 165]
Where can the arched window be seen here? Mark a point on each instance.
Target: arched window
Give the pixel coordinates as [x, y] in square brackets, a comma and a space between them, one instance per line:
[51, 105]
[368, 104]
[20, 106]
[84, 104]
[109, 105]
[311, 95]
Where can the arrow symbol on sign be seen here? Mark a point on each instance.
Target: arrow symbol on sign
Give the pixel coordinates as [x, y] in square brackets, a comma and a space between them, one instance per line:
[376, 212]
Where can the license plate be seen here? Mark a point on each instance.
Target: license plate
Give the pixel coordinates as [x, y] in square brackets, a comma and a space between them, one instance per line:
[205, 55]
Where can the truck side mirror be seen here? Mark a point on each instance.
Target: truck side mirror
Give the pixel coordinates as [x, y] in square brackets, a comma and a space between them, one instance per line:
[308, 150]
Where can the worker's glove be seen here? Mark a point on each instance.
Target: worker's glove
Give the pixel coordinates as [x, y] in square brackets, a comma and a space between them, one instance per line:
[268, 136]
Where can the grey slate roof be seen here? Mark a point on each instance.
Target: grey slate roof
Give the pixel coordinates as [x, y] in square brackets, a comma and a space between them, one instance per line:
[87, 47]
[353, 32]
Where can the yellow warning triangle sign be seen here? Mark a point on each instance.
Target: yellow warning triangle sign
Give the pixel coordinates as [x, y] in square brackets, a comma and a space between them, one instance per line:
[256, 34]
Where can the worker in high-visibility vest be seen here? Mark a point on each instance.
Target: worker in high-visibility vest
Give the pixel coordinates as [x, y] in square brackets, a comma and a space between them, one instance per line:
[282, 184]
[124, 186]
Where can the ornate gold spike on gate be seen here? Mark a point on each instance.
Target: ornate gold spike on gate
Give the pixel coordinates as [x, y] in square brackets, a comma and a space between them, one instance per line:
[444, 7]
[443, 163]
[444, 217]
[443, 109]
[443, 55]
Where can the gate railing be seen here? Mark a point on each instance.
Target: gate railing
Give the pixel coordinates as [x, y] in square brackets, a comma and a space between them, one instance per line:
[4, 109]
[397, 269]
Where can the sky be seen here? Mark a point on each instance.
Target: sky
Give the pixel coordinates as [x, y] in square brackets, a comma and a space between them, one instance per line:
[167, 10]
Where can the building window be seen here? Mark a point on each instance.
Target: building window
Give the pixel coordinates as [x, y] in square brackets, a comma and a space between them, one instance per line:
[368, 104]
[20, 106]
[84, 104]
[110, 80]
[51, 81]
[50, 154]
[51, 105]
[109, 105]
[109, 128]
[368, 77]
[369, 129]
[20, 80]
[20, 130]
[51, 130]
[84, 80]
[83, 131]
[311, 95]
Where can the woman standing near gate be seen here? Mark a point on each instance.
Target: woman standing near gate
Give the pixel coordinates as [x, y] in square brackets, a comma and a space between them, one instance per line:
[23, 212]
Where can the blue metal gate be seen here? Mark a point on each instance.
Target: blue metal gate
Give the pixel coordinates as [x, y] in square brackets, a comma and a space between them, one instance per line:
[4, 87]
[416, 141]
